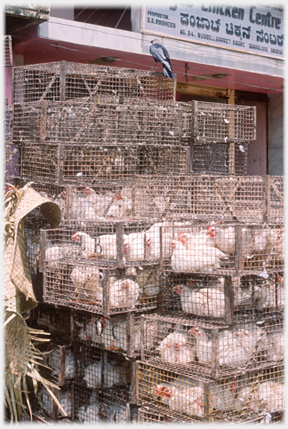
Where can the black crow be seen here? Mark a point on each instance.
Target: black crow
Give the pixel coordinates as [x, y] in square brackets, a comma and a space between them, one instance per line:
[160, 53]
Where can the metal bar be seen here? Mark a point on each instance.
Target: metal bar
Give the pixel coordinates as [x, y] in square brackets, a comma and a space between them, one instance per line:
[60, 155]
[43, 120]
[130, 334]
[62, 81]
[215, 352]
[62, 356]
[238, 250]
[229, 305]
[207, 401]
[119, 245]
[105, 283]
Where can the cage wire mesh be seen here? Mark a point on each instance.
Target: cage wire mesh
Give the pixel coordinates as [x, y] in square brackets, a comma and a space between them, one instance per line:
[120, 334]
[77, 276]
[56, 321]
[49, 407]
[210, 298]
[209, 197]
[237, 399]
[219, 158]
[60, 361]
[223, 248]
[104, 370]
[73, 164]
[11, 153]
[197, 347]
[83, 121]
[151, 415]
[68, 80]
[219, 122]
[93, 406]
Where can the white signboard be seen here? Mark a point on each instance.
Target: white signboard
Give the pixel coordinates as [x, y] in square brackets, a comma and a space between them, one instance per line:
[254, 29]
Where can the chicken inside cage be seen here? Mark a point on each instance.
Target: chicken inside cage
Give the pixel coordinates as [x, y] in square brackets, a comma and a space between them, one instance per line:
[212, 349]
[233, 399]
[103, 369]
[50, 407]
[99, 406]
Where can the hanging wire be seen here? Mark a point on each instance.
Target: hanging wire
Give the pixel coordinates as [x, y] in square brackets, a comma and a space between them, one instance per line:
[121, 17]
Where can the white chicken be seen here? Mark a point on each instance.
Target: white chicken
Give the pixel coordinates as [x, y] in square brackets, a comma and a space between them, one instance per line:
[55, 254]
[153, 237]
[137, 247]
[148, 280]
[64, 397]
[81, 208]
[275, 343]
[270, 294]
[202, 258]
[87, 244]
[235, 346]
[113, 375]
[175, 349]
[225, 239]
[123, 293]
[202, 302]
[201, 238]
[69, 367]
[91, 331]
[267, 396]
[88, 282]
[181, 397]
[108, 245]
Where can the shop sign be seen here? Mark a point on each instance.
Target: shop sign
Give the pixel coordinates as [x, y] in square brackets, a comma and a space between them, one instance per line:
[253, 29]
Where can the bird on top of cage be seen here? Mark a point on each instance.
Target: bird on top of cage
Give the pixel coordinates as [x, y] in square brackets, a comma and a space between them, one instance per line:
[160, 53]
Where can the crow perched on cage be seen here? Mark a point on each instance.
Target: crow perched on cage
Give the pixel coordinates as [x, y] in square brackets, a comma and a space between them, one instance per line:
[160, 53]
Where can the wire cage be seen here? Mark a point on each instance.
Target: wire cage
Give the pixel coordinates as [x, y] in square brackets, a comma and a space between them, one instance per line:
[56, 321]
[223, 248]
[106, 243]
[219, 158]
[64, 163]
[11, 151]
[222, 298]
[97, 406]
[49, 408]
[120, 334]
[210, 197]
[90, 274]
[63, 80]
[219, 122]
[238, 399]
[60, 361]
[102, 369]
[82, 121]
[153, 415]
[195, 347]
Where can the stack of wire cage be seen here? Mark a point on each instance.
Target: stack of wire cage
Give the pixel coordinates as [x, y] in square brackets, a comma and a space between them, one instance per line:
[167, 254]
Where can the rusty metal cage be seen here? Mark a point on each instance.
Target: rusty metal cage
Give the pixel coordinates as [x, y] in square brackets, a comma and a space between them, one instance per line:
[221, 298]
[60, 361]
[49, 407]
[64, 163]
[242, 398]
[196, 347]
[219, 158]
[151, 415]
[102, 369]
[209, 197]
[56, 321]
[120, 334]
[68, 80]
[106, 274]
[99, 406]
[82, 121]
[231, 249]
[11, 151]
[219, 122]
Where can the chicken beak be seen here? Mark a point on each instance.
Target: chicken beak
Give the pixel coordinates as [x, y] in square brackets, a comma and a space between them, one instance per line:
[75, 237]
[192, 332]
[177, 289]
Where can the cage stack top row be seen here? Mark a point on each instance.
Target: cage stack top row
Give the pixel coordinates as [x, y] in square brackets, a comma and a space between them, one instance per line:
[120, 122]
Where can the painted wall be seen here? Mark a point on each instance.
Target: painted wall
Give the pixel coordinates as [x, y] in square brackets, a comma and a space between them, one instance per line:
[275, 135]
